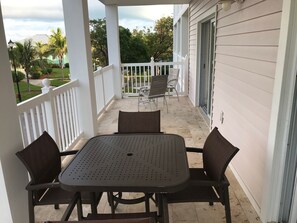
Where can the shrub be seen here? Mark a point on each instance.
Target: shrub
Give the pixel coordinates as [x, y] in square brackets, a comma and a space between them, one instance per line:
[44, 71]
[55, 65]
[49, 70]
[21, 76]
[35, 72]
[66, 65]
[35, 75]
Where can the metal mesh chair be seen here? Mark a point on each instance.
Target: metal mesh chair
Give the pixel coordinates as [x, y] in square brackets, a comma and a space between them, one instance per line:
[136, 122]
[209, 184]
[173, 80]
[158, 88]
[139, 122]
[42, 159]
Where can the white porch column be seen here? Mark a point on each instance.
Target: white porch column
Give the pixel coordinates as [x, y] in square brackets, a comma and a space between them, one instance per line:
[113, 43]
[13, 176]
[80, 59]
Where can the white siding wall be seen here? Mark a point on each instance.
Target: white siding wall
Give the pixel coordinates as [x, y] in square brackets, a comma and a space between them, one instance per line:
[246, 53]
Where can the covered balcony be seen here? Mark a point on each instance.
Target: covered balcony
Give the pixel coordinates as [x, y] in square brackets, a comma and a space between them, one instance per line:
[89, 104]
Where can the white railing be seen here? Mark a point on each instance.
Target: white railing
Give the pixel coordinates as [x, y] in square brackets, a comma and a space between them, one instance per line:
[104, 87]
[54, 111]
[136, 75]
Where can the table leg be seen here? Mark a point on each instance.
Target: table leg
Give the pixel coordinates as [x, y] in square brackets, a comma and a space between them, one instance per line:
[163, 208]
[147, 203]
[111, 202]
[93, 204]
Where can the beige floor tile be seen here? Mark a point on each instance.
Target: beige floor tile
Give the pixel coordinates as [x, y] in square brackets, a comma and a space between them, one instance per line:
[183, 212]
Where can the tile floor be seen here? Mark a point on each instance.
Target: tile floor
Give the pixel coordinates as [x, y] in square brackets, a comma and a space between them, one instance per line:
[185, 120]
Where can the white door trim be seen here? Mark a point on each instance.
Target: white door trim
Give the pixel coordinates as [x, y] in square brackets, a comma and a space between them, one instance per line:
[280, 112]
[202, 18]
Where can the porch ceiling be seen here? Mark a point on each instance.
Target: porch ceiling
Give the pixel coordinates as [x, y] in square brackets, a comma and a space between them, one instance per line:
[143, 2]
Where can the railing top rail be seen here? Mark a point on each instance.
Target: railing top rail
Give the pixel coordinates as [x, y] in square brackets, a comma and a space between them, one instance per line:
[135, 64]
[149, 63]
[103, 69]
[167, 63]
[32, 102]
[63, 88]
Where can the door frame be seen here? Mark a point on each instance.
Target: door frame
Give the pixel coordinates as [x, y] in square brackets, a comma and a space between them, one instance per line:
[208, 50]
[281, 113]
[208, 15]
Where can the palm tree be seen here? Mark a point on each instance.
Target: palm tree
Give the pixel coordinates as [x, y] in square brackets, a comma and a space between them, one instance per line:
[42, 52]
[58, 46]
[26, 53]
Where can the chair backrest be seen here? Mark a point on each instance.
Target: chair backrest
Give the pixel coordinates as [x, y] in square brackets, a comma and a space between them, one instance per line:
[139, 122]
[217, 153]
[173, 76]
[158, 86]
[41, 159]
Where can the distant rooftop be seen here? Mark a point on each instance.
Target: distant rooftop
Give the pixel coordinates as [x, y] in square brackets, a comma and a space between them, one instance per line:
[43, 38]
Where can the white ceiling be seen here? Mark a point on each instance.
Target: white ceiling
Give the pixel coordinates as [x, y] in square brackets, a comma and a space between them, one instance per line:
[143, 2]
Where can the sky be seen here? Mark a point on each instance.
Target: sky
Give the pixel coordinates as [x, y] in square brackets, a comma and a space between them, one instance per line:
[25, 18]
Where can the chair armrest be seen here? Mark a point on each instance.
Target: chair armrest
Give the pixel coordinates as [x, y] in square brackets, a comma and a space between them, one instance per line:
[204, 183]
[69, 152]
[194, 149]
[43, 186]
[172, 80]
[144, 90]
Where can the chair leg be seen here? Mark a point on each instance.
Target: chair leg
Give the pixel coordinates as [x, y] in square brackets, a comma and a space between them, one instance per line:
[31, 207]
[176, 94]
[56, 206]
[165, 103]
[227, 206]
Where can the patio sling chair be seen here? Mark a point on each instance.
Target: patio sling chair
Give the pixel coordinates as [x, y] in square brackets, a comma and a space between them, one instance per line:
[136, 122]
[172, 81]
[139, 122]
[209, 184]
[158, 88]
[42, 159]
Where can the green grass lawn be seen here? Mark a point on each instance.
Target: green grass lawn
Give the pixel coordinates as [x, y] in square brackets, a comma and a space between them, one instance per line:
[58, 73]
[56, 80]
[25, 94]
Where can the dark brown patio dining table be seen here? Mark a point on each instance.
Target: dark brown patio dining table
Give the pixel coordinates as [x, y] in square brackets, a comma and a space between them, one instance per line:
[149, 163]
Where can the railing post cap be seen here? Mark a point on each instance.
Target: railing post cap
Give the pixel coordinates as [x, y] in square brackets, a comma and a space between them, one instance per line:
[46, 82]
[152, 59]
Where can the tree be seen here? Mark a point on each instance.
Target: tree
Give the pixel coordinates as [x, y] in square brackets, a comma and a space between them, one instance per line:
[99, 42]
[160, 42]
[42, 52]
[25, 56]
[58, 46]
[132, 47]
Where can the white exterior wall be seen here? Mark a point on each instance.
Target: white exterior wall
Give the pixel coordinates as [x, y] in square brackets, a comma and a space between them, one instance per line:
[246, 56]
[13, 175]
[245, 66]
